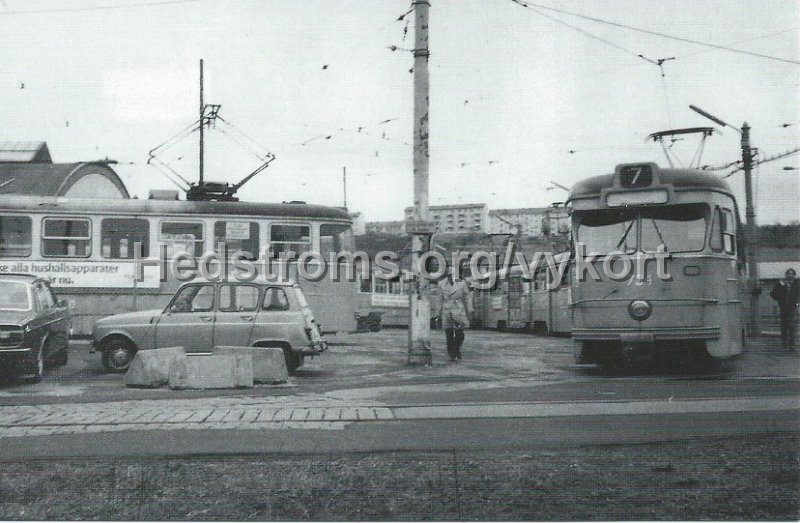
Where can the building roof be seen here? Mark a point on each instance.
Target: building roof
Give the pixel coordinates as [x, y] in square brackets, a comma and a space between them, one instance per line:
[454, 207]
[51, 179]
[776, 270]
[519, 210]
[28, 152]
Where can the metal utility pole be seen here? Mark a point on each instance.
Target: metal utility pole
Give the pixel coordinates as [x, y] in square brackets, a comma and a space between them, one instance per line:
[344, 185]
[202, 110]
[419, 333]
[751, 231]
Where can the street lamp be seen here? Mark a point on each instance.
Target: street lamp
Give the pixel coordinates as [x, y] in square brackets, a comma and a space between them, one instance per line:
[750, 214]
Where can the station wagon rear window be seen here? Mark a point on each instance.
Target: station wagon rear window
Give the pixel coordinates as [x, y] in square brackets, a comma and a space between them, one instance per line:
[67, 237]
[275, 300]
[15, 236]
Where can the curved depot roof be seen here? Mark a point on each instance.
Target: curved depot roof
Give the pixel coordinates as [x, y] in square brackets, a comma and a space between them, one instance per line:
[170, 207]
[52, 179]
[678, 178]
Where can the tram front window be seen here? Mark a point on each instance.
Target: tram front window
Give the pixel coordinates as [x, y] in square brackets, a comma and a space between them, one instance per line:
[607, 230]
[679, 228]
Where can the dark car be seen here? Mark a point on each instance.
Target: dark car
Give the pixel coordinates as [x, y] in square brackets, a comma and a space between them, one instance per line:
[34, 326]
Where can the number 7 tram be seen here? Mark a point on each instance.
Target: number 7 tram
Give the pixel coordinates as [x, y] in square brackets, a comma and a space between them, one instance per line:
[619, 223]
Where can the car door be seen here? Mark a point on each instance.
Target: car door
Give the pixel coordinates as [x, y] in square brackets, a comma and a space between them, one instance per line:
[61, 316]
[237, 306]
[275, 319]
[39, 325]
[188, 321]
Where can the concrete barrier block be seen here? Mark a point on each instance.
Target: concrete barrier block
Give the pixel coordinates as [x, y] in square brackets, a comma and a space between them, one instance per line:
[269, 364]
[151, 368]
[213, 371]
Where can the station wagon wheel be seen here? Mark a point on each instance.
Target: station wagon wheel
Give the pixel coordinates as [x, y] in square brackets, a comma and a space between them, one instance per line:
[118, 354]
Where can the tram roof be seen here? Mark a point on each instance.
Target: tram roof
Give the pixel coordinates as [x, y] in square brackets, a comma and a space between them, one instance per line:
[158, 207]
[678, 178]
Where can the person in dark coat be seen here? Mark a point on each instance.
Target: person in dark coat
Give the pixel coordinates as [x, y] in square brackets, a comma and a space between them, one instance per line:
[787, 293]
[435, 298]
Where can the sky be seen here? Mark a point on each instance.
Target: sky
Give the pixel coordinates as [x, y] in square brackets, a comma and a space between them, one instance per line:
[517, 99]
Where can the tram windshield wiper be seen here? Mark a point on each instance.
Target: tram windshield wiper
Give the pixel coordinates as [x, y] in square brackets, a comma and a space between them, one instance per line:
[658, 232]
[624, 238]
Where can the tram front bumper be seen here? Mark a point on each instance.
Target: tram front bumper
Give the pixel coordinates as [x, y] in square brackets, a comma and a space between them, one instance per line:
[648, 336]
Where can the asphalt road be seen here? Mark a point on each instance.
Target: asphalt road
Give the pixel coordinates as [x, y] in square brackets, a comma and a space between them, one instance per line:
[510, 391]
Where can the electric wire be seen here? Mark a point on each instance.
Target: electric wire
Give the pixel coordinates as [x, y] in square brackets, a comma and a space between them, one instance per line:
[95, 7]
[531, 5]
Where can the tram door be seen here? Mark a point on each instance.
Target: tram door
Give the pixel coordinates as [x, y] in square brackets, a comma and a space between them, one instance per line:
[516, 303]
[481, 304]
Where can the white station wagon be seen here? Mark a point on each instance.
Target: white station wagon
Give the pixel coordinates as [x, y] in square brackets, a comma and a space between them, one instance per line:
[204, 314]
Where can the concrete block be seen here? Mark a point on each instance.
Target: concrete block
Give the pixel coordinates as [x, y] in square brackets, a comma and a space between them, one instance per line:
[151, 368]
[269, 364]
[213, 371]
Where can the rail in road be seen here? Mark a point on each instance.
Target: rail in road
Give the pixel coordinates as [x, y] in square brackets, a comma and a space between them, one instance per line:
[324, 413]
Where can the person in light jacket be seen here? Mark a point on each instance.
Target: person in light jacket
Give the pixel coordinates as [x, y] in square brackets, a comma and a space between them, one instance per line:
[455, 313]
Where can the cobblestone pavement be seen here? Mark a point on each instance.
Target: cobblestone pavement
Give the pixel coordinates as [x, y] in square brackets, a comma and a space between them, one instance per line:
[306, 412]
[324, 412]
[360, 376]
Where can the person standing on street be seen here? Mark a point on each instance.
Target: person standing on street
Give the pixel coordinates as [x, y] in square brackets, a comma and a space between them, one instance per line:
[787, 293]
[455, 312]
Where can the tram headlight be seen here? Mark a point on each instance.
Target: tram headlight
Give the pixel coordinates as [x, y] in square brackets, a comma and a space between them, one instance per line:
[639, 310]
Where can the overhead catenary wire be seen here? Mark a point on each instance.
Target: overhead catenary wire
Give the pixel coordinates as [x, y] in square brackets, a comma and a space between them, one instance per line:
[531, 5]
[95, 7]
[658, 62]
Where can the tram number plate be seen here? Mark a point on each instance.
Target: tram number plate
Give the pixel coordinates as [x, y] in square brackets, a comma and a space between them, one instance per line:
[636, 176]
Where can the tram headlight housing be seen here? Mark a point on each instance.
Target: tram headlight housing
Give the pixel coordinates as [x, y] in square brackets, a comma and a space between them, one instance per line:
[640, 310]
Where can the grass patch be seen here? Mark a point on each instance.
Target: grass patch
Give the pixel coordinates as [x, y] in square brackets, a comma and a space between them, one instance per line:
[744, 478]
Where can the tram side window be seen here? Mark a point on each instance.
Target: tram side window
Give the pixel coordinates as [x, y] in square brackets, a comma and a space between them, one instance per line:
[237, 236]
[285, 238]
[15, 236]
[723, 232]
[728, 232]
[335, 238]
[119, 236]
[182, 237]
[67, 237]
